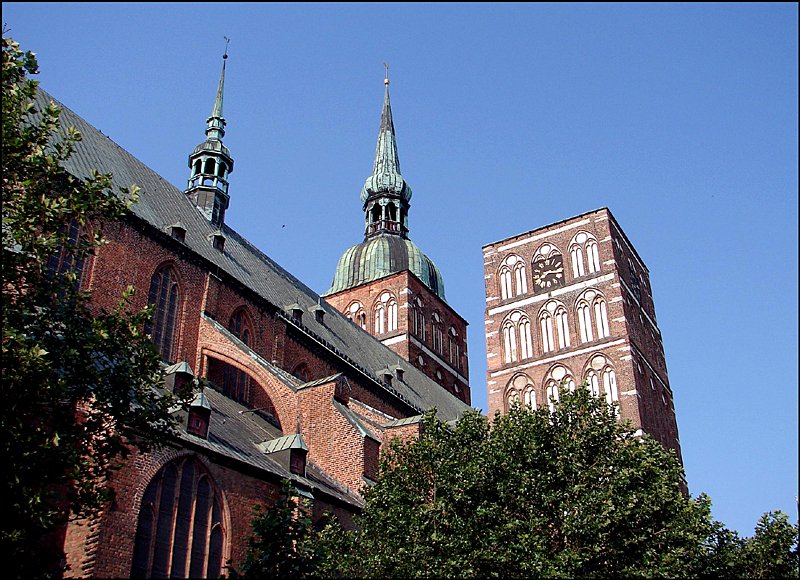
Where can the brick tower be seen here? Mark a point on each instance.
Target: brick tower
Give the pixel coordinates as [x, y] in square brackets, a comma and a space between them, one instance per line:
[392, 290]
[571, 303]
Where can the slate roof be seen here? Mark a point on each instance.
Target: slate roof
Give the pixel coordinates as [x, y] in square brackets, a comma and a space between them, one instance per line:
[238, 434]
[160, 204]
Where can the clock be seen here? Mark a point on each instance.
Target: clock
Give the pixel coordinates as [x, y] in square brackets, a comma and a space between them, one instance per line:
[548, 272]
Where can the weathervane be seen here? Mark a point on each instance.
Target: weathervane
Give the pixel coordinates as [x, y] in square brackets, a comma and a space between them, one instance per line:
[227, 41]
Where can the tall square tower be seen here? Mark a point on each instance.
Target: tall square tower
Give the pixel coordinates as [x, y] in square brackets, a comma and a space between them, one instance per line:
[571, 303]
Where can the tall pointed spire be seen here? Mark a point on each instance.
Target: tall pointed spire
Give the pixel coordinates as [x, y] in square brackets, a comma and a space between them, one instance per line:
[216, 122]
[386, 194]
[211, 162]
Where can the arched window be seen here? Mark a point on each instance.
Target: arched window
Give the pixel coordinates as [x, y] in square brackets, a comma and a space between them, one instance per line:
[385, 313]
[240, 326]
[562, 325]
[506, 289]
[380, 318]
[592, 303]
[165, 297]
[592, 256]
[525, 342]
[391, 309]
[418, 317]
[517, 332]
[601, 317]
[357, 314]
[546, 328]
[553, 323]
[509, 342]
[513, 277]
[557, 379]
[180, 532]
[512, 397]
[210, 168]
[454, 349]
[437, 333]
[520, 279]
[584, 252]
[301, 372]
[530, 398]
[585, 321]
[593, 383]
[610, 386]
[71, 259]
[521, 383]
[551, 392]
[576, 253]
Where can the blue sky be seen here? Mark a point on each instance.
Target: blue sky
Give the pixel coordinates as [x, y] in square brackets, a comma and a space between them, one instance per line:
[680, 118]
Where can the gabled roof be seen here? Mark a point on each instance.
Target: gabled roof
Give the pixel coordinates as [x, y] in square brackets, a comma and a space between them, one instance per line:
[160, 203]
[237, 434]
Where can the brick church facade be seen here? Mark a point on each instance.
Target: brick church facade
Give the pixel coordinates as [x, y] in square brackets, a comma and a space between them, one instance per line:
[296, 390]
[310, 388]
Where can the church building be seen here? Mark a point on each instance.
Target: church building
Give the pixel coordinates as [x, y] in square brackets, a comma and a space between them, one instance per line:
[297, 389]
[310, 387]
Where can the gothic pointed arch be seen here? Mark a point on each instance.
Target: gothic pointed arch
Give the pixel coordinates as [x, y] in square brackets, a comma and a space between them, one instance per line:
[165, 297]
[517, 343]
[557, 379]
[583, 251]
[523, 389]
[513, 277]
[554, 326]
[181, 530]
[601, 378]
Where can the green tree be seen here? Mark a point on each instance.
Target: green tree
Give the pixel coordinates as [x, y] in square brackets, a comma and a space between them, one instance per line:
[772, 552]
[78, 382]
[532, 494]
[283, 544]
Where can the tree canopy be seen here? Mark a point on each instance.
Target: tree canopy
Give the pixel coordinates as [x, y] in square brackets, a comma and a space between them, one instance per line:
[570, 494]
[78, 381]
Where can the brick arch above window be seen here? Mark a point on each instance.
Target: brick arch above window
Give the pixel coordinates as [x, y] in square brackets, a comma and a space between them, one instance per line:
[182, 525]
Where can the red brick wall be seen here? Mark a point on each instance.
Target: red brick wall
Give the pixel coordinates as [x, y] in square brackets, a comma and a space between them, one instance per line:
[436, 365]
[110, 552]
[634, 341]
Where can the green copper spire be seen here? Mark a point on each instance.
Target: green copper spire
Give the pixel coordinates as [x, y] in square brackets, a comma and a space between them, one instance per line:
[216, 122]
[211, 162]
[386, 249]
[386, 194]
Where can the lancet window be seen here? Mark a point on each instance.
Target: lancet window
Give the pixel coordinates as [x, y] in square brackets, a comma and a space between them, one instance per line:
[165, 297]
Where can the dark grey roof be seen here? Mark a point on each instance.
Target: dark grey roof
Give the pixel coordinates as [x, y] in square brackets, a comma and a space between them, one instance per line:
[238, 434]
[160, 204]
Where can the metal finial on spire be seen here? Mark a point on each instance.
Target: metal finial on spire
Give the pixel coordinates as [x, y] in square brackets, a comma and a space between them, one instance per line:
[386, 77]
[227, 41]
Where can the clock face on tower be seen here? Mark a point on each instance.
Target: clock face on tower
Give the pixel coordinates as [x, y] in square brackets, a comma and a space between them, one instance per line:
[548, 272]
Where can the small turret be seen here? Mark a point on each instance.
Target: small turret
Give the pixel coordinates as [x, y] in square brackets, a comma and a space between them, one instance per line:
[211, 163]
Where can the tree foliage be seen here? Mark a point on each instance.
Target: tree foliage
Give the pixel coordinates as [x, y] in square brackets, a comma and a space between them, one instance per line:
[533, 494]
[283, 544]
[77, 381]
